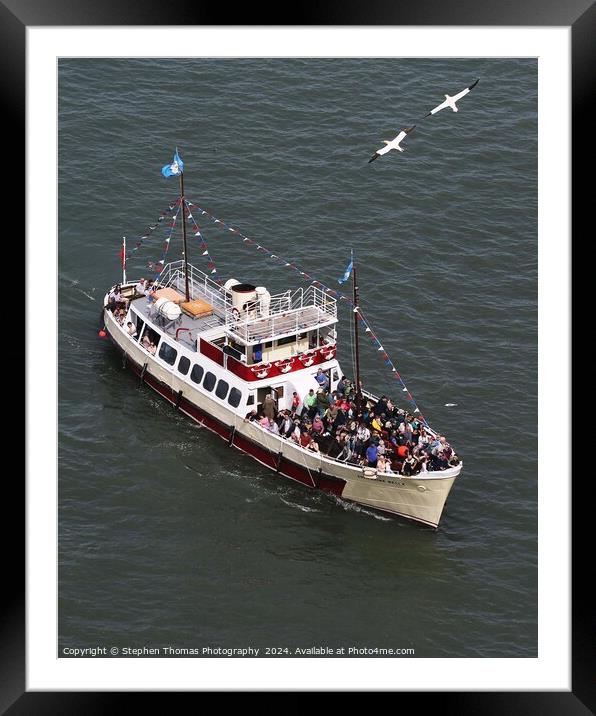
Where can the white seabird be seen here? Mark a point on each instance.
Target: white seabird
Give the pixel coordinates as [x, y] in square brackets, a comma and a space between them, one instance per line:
[391, 144]
[450, 101]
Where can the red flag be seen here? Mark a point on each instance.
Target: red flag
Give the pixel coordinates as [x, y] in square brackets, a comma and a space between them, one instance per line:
[122, 256]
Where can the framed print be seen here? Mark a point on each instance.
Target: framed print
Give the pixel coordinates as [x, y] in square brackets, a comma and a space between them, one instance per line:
[256, 150]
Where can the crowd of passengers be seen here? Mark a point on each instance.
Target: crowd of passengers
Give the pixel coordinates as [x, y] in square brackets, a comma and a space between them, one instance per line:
[358, 431]
[118, 304]
[338, 423]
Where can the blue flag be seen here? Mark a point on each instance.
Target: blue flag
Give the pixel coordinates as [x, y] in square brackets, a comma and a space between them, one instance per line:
[175, 168]
[348, 270]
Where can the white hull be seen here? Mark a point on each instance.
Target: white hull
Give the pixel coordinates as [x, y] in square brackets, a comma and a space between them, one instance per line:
[421, 497]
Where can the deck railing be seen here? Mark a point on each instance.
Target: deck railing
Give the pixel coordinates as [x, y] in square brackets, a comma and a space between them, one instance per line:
[282, 315]
[199, 285]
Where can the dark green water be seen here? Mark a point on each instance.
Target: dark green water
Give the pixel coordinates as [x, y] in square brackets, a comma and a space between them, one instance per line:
[166, 536]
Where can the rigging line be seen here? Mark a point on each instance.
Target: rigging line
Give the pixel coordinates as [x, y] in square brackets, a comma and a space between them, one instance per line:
[150, 229]
[306, 276]
[300, 449]
[170, 231]
[204, 247]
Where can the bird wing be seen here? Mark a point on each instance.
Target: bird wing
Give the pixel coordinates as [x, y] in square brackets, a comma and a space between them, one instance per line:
[385, 149]
[399, 137]
[439, 108]
[461, 94]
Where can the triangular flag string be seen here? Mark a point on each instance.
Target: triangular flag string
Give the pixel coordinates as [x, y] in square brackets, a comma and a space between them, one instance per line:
[203, 244]
[332, 292]
[158, 267]
[151, 228]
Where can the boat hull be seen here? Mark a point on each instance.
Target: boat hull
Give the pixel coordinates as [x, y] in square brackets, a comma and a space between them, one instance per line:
[416, 498]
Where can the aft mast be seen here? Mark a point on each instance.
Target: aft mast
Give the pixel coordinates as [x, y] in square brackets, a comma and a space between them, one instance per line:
[356, 342]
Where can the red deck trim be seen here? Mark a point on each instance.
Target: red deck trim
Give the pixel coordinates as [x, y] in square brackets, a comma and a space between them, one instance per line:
[250, 372]
[287, 468]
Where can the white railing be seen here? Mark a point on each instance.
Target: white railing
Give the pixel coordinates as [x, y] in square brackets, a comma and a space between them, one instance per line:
[285, 314]
[199, 285]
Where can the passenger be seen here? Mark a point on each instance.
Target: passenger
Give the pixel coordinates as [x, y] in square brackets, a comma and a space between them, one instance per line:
[408, 465]
[149, 288]
[322, 379]
[296, 404]
[341, 386]
[371, 455]
[376, 423]
[114, 297]
[402, 452]
[295, 434]
[317, 425]
[132, 331]
[310, 402]
[251, 417]
[269, 407]
[381, 463]
[347, 451]
[313, 445]
[322, 401]
[305, 438]
[286, 426]
[140, 288]
[336, 447]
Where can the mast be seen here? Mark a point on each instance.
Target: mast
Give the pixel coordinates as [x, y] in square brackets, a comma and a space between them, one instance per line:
[123, 255]
[356, 345]
[183, 202]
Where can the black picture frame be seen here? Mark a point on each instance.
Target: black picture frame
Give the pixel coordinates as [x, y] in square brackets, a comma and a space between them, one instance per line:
[580, 16]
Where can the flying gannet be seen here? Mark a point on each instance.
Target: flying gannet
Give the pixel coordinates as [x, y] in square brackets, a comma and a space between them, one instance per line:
[391, 144]
[450, 101]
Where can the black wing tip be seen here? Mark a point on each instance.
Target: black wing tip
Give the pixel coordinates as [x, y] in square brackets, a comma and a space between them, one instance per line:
[407, 131]
[473, 84]
[374, 156]
[427, 115]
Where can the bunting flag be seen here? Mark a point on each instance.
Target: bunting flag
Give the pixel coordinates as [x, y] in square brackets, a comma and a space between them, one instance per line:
[332, 292]
[151, 228]
[203, 244]
[159, 265]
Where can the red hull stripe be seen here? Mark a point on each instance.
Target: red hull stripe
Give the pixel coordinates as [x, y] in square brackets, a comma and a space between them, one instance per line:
[287, 468]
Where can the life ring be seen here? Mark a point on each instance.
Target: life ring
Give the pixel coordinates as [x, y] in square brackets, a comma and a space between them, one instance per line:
[285, 366]
[261, 371]
[235, 314]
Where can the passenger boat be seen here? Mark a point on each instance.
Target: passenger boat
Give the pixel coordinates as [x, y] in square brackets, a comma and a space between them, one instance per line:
[215, 350]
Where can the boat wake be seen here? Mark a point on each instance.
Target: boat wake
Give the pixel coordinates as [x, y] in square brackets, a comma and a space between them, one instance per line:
[304, 508]
[353, 507]
[74, 283]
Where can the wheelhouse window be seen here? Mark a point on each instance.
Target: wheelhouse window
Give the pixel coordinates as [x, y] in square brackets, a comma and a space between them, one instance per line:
[222, 389]
[168, 353]
[234, 397]
[196, 374]
[210, 380]
[183, 365]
